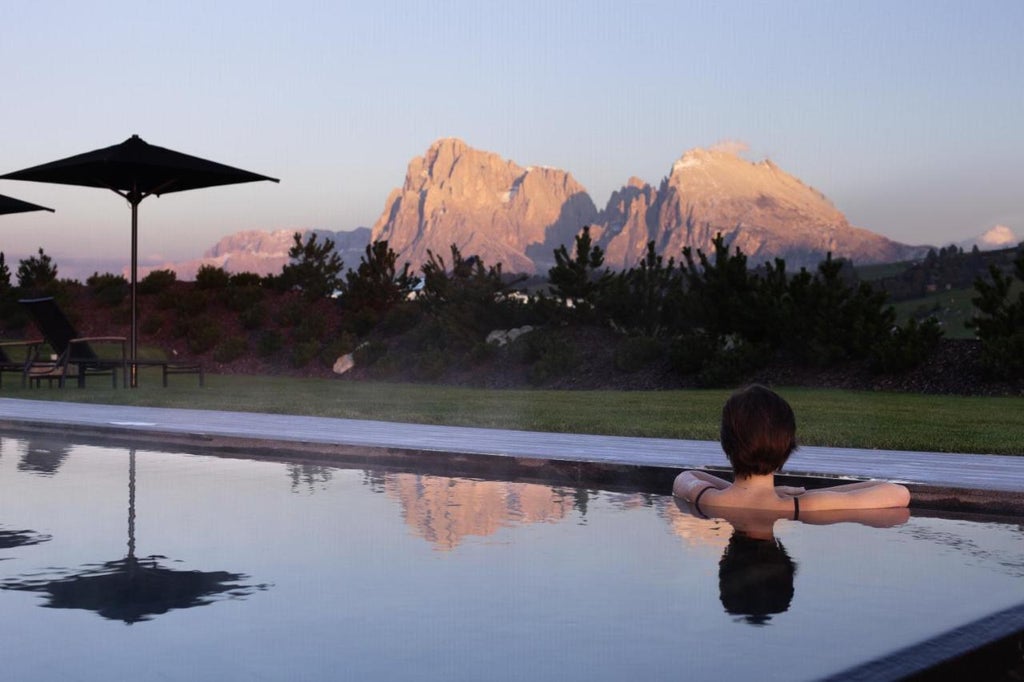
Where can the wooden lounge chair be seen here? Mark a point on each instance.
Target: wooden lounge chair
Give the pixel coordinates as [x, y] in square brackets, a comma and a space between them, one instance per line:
[76, 356]
[10, 363]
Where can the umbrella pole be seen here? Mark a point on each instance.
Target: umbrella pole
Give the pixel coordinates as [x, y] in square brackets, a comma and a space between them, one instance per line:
[133, 365]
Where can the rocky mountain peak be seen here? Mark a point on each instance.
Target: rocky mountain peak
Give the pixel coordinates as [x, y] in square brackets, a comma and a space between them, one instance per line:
[485, 205]
[757, 206]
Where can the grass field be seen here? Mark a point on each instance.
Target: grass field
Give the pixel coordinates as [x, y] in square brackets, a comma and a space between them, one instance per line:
[824, 417]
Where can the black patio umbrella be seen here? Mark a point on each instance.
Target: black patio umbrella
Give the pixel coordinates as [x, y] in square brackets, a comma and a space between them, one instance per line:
[135, 170]
[12, 205]
[132, 589]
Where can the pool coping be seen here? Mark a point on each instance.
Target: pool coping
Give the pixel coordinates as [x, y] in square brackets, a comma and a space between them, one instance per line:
[988, 484]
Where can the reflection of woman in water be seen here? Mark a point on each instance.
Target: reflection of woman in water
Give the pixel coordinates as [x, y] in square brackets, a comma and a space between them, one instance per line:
[755, 578]
[755, 573]
[758, 434]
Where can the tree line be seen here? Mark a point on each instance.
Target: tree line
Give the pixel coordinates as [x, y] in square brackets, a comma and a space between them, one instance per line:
[710, 315]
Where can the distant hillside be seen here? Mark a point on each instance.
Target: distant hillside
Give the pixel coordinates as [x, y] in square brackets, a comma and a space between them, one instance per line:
[264, 253]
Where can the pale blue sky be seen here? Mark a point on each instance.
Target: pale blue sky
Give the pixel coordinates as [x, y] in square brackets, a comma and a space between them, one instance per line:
[908, 115]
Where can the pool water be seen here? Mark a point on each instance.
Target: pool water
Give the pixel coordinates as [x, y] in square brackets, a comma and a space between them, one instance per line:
[119, 564]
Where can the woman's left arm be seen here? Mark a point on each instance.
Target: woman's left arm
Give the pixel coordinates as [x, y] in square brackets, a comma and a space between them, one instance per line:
[689, 484]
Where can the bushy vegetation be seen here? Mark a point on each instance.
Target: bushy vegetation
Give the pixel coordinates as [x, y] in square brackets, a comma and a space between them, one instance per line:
[1000, 319]
[709, 318]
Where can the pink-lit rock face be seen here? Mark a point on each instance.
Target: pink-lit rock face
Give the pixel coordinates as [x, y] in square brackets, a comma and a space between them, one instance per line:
[485, 205]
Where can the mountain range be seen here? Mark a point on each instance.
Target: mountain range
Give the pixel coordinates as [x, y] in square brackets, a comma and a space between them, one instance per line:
[517, 216]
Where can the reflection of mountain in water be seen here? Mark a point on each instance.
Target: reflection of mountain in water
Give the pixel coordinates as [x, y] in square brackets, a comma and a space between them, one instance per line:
[43, 456]
[697, 532]
[445, 510]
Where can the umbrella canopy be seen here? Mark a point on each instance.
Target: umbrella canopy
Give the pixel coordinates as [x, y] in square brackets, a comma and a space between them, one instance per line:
[12, 205]
[135, 170]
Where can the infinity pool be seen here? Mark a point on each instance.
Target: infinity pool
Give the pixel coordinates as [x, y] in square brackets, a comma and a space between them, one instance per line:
[145, 565]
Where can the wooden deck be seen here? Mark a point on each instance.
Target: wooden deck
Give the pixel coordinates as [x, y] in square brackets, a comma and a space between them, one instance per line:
[985, 475]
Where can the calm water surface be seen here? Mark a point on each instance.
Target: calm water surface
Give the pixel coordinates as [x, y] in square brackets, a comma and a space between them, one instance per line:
[171, 566]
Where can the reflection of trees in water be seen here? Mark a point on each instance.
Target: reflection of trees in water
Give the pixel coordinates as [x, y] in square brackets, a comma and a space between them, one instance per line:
[1009, 560]
[43, 456]
[312, 477]
[375, 481]
[10, 539]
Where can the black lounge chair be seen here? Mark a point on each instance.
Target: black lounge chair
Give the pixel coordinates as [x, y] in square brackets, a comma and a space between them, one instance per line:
[11, 364]
[75, 354]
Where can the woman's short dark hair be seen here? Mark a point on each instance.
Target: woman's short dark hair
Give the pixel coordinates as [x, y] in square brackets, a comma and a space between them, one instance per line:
[758, 431]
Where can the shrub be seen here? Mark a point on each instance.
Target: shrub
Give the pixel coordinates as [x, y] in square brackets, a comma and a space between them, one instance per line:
[253, 316]
[430, 365]
[202, 334]
[167, 300]
[238, 298]
[157, 282]
[549, 355]
[369, 353]
[187, 304]
[108, 289]
[212, 278]
[231, 349]
[731, 364]
[245, 280]
[999, 322]
[310, 328]
[689, 352]
[303, 353]
[268, 343]
[292, 313]
[336, 348]
[151, 324]
[400, 319]
[636, 352]
[906, 347]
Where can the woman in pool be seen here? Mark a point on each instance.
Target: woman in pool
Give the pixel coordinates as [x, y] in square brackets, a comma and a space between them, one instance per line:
[758, 435]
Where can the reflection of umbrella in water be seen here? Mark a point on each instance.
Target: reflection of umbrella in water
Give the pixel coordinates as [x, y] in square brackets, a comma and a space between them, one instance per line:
[12, 205]
[135, 170]
[9, 539]
[133, 589]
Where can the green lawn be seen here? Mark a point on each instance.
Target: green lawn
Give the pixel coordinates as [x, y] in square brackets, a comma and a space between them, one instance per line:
[824, 417]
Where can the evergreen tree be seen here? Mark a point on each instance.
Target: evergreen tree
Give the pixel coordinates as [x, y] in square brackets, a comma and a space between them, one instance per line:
[315, 267]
